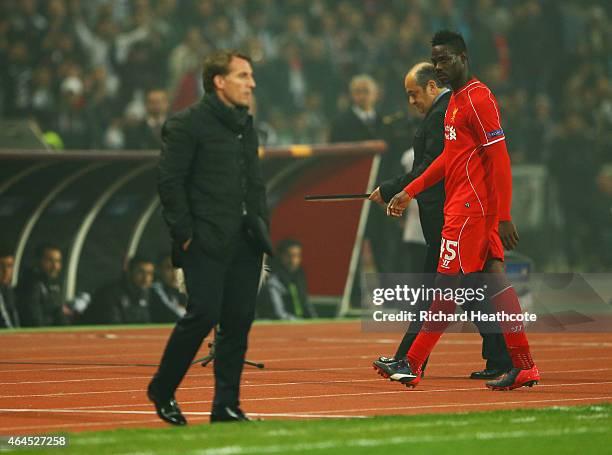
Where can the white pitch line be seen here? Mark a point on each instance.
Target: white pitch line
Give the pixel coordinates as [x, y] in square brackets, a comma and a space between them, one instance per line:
[402, 391]
[475, 341]
[255, 349]
[268, 360]
[336, 395]
[455, 405]
[155, 354]
[270, 371]
[141, 390]
[192, 413]
[277, 384]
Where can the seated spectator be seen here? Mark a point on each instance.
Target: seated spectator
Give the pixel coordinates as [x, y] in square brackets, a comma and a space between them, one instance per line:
[40, 301]
[146, 133]
[285, 292]
[167, 303]
[125, 301]
[8, 311]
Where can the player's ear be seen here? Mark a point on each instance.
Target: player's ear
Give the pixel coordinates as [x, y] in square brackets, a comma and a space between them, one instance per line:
[219, 81]
[431, 86]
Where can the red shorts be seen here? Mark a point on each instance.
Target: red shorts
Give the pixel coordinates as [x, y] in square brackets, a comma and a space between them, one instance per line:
[468, 243]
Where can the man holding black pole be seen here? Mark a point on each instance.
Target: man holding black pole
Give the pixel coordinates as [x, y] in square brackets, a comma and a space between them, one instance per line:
[431, 99]
[214, 203]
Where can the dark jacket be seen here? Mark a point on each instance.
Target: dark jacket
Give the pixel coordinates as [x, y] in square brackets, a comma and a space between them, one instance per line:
[208, 173]
[141, 137]
[40, 300]
[285, 295]
[347, 127]
[428, 144]
[118, 303]
[8, 310]
[166, 304]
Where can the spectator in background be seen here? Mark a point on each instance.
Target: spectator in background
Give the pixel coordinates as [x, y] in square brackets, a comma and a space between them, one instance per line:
[360, 122]
[73, 122]
[146, 133]
[167, 303]
[8, 311]
[540, 131]
[100, 104]
[43, 97]
[284, 78]
[574, 169]
[98, 43]
[285, 292]
[184, 61]
[17, 81]
[158, 43]
[27, 22]
[125, 301]
[321, 75]
[39, 294]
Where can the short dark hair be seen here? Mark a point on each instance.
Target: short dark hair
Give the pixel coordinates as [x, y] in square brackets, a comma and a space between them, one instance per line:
[218, 63]
[285, 244]
[426, 73]
[451, 39]
[39, 252]
[138, 259]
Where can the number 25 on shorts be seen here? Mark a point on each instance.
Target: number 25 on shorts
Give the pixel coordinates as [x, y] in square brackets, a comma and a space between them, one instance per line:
[448, 252]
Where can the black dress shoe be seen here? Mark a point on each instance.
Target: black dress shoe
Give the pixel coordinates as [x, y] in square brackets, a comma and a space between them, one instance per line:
[228, 414]
[167, 408]
[488, 373]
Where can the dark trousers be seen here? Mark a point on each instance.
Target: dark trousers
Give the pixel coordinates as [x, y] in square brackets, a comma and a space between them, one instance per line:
[493, 345]
[220, 292]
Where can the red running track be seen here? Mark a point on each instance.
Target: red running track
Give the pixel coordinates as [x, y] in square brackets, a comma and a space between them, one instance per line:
[95, 379]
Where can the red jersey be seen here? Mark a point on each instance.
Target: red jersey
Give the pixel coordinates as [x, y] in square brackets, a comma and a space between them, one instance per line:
[472, 122]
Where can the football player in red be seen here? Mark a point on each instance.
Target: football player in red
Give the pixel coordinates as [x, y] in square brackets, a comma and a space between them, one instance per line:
[477, 223]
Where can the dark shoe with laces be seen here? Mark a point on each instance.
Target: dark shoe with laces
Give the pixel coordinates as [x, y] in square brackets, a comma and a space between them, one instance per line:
[488, 373]
[228, 414]
[167, 408]
[386, 366]
[399, 371]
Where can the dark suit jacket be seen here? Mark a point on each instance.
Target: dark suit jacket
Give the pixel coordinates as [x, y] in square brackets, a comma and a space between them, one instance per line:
[347, 127]
[39, 300]
[141, 137]
[428, 144]
[208, 173]
[118, 302]
[7, 297]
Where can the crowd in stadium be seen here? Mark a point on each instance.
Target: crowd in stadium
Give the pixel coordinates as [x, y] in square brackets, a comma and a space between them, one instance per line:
[103, 74]
[82, 69]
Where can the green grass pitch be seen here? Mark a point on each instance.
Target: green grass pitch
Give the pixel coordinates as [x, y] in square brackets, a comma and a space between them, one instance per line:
[557, 430]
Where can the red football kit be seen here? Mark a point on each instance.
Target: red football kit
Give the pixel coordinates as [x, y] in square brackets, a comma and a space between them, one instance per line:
[478, 184]
[476, 169]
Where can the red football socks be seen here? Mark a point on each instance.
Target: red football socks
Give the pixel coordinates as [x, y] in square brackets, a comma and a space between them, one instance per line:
[514, 332]
[429, 334]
